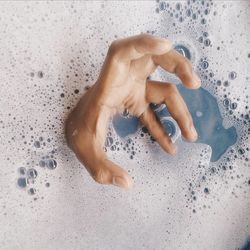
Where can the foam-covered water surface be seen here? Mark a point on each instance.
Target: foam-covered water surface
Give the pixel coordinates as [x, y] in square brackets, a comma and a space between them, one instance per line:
[51, 52]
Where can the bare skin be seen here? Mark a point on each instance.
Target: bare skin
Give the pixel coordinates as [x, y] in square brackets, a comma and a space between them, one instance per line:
[123, 84]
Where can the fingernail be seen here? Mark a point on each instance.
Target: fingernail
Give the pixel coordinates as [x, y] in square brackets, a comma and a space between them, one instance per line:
[197, 79]
[121, 182]
[193, 133]
[174, 149]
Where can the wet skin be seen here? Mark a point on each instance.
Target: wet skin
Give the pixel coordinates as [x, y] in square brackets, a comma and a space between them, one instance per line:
[122, 84]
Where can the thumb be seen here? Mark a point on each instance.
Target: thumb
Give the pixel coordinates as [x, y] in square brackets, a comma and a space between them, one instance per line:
[110, 173]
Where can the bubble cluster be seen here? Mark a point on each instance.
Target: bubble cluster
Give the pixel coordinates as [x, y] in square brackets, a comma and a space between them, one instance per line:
[29, 173]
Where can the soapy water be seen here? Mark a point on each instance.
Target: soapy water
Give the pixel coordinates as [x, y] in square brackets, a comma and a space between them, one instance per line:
[43, 81]
[203, 105]
[204, 110]
[28, 172]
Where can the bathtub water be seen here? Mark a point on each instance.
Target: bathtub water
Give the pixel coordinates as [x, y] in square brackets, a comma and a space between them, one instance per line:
[50, 53]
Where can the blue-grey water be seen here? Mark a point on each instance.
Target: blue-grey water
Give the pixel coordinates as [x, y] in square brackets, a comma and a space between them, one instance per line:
[206, 117]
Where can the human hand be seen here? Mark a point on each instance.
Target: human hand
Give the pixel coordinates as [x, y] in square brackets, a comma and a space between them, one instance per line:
[123, 84]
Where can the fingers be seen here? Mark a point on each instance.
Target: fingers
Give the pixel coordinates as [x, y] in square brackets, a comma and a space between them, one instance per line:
[157, 92]
[149, 119]
[121, 52]
[174, 62]
[107, 172]
[102, 169]
[85, 134]
[134, 47]
[89, 152]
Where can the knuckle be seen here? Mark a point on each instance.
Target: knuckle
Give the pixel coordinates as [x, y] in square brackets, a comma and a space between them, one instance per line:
[114, 48]
[144, 36]
[187, 65]
[172, 94]
[172, 88]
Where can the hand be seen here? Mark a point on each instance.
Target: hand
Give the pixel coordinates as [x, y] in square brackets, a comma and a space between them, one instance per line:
[122, 84]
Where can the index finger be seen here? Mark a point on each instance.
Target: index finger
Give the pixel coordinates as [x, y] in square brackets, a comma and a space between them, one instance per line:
[174, 62]
[123, 51]
[135, 47]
